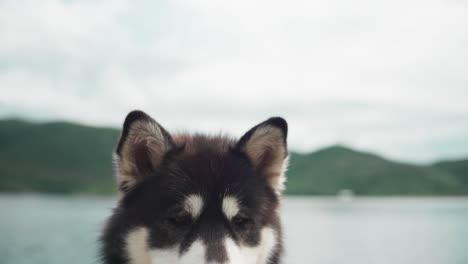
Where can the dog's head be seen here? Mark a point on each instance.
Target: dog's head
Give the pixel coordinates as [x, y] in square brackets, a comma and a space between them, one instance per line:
[195, 198]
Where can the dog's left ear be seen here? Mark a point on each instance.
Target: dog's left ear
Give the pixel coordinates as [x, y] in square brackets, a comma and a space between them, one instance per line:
[140, 150]
[266, 147]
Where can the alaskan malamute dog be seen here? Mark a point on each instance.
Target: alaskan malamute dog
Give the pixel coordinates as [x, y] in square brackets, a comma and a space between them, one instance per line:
[196, 198]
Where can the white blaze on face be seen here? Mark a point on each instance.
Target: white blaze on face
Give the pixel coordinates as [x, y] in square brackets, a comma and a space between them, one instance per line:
[138, 250]
[194, 205]
[230, 207]
[259, 254]
[194, 255]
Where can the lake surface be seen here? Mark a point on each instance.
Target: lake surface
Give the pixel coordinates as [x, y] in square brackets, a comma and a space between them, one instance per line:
[44, 229]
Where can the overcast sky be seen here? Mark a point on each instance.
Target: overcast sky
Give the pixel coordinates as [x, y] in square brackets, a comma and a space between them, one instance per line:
[383, 76]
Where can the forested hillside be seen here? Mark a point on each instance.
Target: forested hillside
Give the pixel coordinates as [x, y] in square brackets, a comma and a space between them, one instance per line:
[69, 158]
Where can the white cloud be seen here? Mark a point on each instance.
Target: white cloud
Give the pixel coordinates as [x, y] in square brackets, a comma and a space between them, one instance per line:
[385, 76]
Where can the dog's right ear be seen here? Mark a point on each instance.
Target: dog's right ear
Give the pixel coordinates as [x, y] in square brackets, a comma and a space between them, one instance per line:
[140, 150]
[266, 147]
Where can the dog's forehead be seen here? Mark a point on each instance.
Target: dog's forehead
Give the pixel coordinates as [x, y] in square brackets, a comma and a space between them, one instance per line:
[213, 178]
[214, 183]
[209, 164]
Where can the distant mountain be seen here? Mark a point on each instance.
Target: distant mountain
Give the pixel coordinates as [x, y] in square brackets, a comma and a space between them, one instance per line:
[69, 158]
[459, 168]
[55, 157]
[335, 168]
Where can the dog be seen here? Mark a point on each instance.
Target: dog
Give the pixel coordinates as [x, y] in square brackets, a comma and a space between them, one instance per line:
[194, 198]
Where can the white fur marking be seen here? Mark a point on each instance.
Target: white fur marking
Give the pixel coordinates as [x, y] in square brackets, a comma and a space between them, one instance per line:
[162, 256]
[236, 254]
[194, 205]
[252, 255]
[230, 207]
[137, 246]
[195, 254]
[267, 244]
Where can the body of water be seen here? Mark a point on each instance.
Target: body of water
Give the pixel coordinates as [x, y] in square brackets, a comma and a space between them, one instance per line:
[43, 229]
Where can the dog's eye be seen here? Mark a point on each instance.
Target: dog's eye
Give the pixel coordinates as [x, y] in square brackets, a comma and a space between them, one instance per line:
[241, 221]
[180, 220]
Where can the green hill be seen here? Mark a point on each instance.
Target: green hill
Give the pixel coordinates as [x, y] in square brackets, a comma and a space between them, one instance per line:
[459, 168]
[55, 157]
[335, 168]
[69, 158]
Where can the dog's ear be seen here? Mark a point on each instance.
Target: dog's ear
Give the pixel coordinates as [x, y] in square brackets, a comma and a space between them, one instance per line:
[266, 147]
[140, 150]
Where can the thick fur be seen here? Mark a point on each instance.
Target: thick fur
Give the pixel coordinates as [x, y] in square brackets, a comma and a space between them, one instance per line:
[196, 198]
